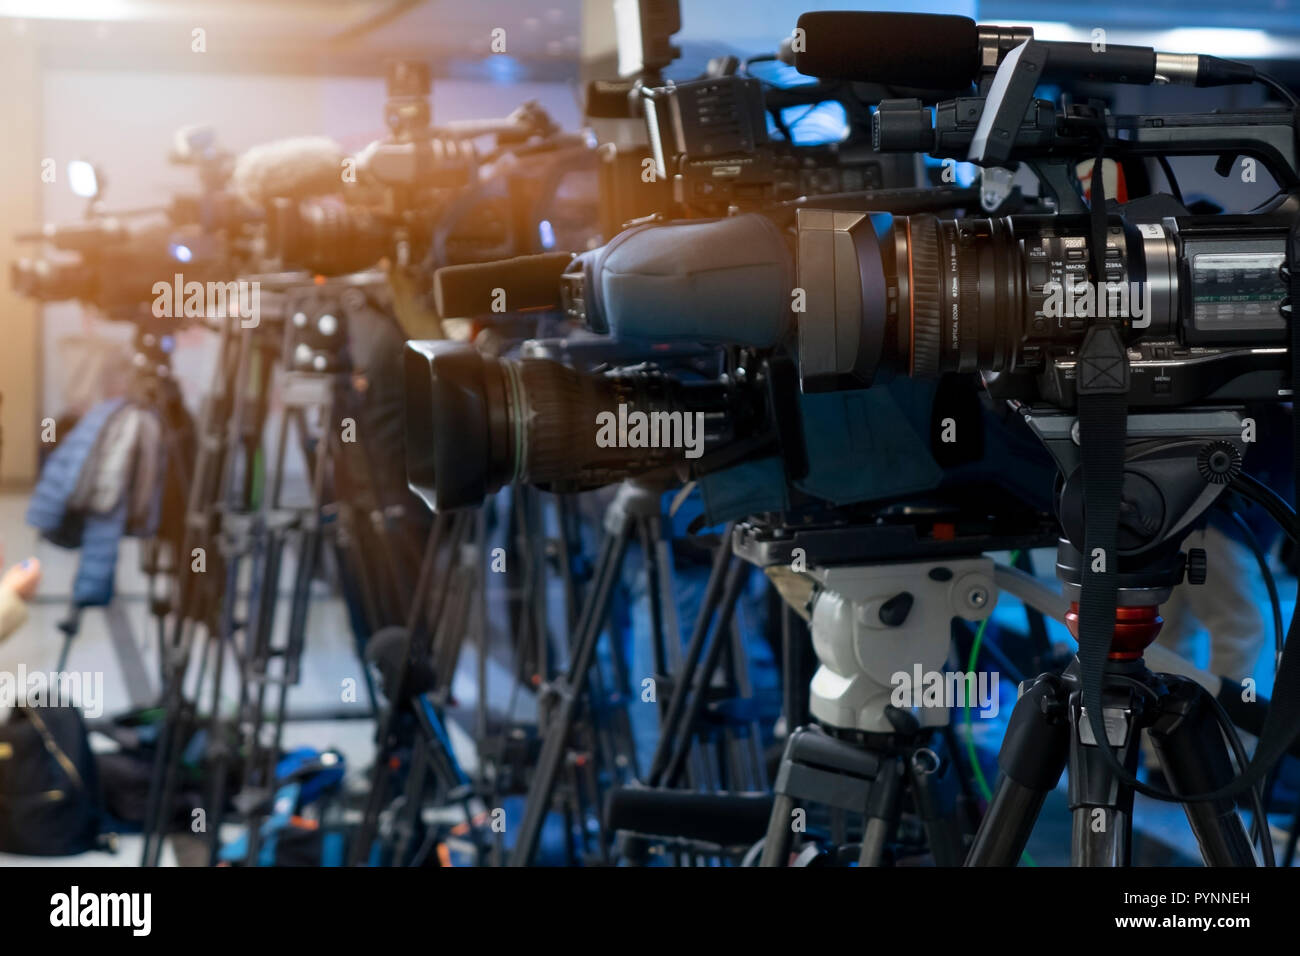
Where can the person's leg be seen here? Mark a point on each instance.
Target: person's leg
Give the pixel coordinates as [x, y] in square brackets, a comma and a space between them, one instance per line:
[1183, 632]
[1228, 605]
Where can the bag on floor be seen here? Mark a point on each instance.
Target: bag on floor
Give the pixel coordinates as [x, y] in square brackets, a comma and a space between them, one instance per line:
[49, 787]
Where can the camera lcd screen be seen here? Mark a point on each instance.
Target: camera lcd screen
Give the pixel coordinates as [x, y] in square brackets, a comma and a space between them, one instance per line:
[1236, 291]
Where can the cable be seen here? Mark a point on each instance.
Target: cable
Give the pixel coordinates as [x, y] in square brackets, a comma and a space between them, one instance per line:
[985, 790]
[1270, 501]
[1239, 751]
[1170, 178]
[1277, 86]
[1229, 733]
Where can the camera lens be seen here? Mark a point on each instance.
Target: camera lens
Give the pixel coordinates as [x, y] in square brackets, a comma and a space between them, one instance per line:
[927, 297]
[965, 295]
[475, 423]
[48, 281]
[325, 235]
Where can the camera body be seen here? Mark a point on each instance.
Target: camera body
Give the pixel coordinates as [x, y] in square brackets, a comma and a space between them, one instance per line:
[1201, 302]
[709, 138]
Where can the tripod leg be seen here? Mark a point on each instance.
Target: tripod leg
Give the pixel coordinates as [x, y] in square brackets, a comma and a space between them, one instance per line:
[379, 773]
[170, 744]
[412, 803]
[737, 576]
[882, 813]
[1187, 740]
[220, 749]
[179, 728]
[780, 835]
[1032, 757]
[570, 691]
[796, 653]
[934, 785]
[649, 541]
[694, 651]
[1101, 806]
[1292, 839]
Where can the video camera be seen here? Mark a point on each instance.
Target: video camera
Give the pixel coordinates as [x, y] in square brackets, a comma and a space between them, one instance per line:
[459, 192]
[709, 138]
[119, 261]
[731, 138]
[726, 283]
[115, 264]
[1202, 301]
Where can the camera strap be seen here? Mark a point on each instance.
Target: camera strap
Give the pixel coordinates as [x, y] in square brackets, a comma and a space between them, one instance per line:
[1103, 381]
[1102, 395]
[1103, 378]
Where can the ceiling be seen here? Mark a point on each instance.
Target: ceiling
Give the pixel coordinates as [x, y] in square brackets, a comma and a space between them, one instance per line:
[541, 37]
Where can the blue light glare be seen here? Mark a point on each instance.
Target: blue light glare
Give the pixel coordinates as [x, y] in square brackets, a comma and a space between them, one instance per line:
[503, 68]
[180, 252]
[963, 174]
[779, 74]
[815, 125]
[546, 234]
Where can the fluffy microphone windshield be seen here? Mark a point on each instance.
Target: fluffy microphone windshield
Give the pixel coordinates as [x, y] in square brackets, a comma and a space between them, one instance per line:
[289, 169]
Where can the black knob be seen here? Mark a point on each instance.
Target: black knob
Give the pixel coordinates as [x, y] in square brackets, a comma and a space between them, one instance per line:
[894, 611]
[1196, 566]
[1219, 462]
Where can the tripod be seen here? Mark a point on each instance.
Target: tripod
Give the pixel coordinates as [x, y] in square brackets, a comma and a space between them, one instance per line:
[198, 595]
[231, 521]
[153, 386]
[879, 600]
[418, 668]
[871, 623]
[1175, 465]
[1049, 731]
[635, 512]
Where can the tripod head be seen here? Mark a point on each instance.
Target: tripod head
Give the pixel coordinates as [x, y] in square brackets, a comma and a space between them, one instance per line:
[880, 597]
[1176, 464]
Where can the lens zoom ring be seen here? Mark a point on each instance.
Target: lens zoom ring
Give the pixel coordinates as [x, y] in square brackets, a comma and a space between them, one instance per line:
[926, 296]
[556, 421]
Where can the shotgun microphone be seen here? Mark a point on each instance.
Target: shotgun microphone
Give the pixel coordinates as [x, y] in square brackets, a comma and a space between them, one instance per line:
[950, 52]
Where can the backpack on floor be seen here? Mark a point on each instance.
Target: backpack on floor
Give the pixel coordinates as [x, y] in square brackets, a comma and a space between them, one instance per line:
[49, 787]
